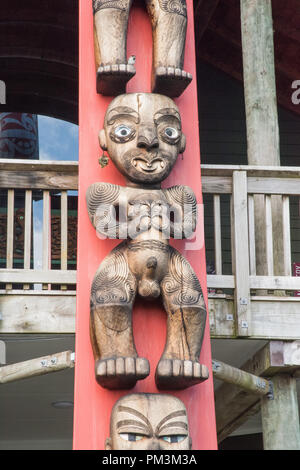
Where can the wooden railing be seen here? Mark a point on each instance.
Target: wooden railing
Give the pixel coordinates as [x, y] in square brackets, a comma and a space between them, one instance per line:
[243, 184]
[41, 181]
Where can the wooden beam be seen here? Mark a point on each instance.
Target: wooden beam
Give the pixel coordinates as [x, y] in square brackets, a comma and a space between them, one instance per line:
[38, 313]
[233, 406]
[234, 376]
[35, 367]
[204, 11]
[252, 170]
[31, 276]
[38, 165]
[280, 416]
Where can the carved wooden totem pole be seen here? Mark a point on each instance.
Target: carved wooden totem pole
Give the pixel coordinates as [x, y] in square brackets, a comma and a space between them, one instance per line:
[142, 137]
[169, 21]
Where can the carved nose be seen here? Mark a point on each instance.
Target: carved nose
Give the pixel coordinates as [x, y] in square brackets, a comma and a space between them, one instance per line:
[154, 444]
[147, 138]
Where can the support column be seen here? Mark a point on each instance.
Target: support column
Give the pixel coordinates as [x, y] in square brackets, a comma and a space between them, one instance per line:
[262, 119]
[280, 417]
[92, 403]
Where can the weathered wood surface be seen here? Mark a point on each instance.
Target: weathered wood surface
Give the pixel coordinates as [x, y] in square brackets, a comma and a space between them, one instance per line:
[252, 171]
[38, 165]
[54, 311]
[30, 276]
[37, 313]
[234, 376]
[280, 416]
[241, 253]
[271, 317]
[234, 406]
[259, 82]
[36, 367]
[21, 179]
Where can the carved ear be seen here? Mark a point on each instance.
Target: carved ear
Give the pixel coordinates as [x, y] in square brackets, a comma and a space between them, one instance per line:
[108, 444]
[102, 139]
[182, 144]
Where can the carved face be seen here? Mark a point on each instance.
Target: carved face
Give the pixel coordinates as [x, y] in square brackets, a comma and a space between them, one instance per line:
[142, 133]
[144, 421]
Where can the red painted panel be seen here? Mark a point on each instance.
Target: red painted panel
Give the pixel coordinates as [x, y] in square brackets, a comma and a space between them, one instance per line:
[92, 403]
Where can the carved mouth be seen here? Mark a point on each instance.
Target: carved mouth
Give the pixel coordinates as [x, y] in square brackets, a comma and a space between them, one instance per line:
[148, 165]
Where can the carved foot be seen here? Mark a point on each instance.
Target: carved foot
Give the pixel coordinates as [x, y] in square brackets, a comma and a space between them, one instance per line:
[170, 81]
[121, 372]
[112, 79]
[174, 374]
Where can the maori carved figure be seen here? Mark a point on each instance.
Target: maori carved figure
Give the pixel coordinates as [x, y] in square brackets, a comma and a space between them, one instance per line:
[143, 137]
[149, 422]
[169, 23]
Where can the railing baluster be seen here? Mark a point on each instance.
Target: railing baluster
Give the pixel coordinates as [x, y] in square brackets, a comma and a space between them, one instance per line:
[287, 259]
[241, 252]
[217, 232]
[28, 232]
[46, 233]
[64, 233]
[10, 231]
[251, 222]
[269, 236]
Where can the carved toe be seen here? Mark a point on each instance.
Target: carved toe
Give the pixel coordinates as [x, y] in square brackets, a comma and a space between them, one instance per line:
[174, 374]
[112, 79]
[121, 372]
[170, 81]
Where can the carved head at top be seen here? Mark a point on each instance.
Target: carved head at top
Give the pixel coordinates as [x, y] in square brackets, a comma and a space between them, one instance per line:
[149, 421]
[142, 134]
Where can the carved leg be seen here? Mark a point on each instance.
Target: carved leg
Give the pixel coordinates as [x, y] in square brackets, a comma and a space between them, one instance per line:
[183, 300]
[111, 21]
[117, 365]
[169, 23]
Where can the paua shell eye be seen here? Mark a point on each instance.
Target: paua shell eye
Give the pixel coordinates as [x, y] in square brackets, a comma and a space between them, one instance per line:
[174, 439]
[171, 133]
[131, 437]
[122, 131]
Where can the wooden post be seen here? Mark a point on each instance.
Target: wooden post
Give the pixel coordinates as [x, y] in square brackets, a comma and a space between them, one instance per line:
[92, 403]
[280, 416]
[262, 118]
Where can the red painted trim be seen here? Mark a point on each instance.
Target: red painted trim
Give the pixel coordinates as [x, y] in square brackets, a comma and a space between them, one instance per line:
[92, 403]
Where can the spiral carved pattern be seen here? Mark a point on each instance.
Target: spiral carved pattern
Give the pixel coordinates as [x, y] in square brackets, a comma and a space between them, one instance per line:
[174, 6]
[113, 283]
[181, 285]
[117, 4]
[184, 197]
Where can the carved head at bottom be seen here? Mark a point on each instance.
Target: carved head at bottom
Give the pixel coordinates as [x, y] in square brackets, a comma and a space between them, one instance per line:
[143, 421]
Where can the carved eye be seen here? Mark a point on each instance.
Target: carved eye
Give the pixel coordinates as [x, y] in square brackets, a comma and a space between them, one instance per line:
[131, 437]
[173, 439]
[123, 131]
[171, 133]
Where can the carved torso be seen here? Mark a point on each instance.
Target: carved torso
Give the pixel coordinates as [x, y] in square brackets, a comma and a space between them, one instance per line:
[139, 214]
